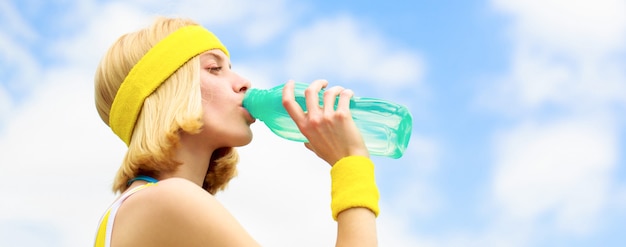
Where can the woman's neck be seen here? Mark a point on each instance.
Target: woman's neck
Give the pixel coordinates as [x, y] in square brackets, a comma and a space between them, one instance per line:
[194, 157]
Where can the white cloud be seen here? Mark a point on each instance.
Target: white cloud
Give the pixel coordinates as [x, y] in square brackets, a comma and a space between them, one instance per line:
[86, 48]
[553, 164]
[19, 67]
[619, 201]
[210, 12]
[264, 21]
[583, 27]
[15, 23]
[5, 106]
[55, 152]
[393, 230]
[344, 48]
[565, 54]
[411, 193]
[540, 79]
[258, 22]
[560, 171]
[28, 233]
[288, 186]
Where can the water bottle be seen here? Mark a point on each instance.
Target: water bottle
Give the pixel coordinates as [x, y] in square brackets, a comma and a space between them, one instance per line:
[385, 126]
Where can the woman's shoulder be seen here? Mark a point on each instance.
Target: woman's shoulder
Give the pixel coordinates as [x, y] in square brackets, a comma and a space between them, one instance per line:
[178, 187]
[170, 194]
[173, 196]
[171, 211]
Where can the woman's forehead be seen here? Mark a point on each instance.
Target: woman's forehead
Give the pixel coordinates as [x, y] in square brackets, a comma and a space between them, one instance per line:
[216, 54]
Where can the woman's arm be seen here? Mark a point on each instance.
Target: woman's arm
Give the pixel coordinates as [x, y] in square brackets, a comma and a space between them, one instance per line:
[333, 135]
[356, 227]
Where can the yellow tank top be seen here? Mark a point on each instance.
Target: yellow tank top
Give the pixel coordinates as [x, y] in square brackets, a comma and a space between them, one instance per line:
[105, 228]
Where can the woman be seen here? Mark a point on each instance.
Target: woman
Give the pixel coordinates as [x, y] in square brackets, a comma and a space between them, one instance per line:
[168, 91]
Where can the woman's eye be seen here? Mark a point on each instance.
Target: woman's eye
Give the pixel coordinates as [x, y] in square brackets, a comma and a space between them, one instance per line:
[214, 69]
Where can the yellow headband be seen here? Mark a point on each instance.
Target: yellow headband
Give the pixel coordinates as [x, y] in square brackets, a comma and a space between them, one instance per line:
[154, 68]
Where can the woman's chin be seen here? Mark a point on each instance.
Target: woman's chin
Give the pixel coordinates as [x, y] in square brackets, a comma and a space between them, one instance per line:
[244, 140]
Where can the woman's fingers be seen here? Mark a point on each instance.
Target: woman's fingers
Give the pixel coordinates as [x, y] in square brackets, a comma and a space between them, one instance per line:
[330, 96]
[289, 102]
[312, 96]
[344, 100]
[312, 100]
[330, 130]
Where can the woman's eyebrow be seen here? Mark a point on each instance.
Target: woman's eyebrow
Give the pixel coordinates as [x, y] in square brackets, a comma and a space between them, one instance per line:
[217, 58]
[214, 56]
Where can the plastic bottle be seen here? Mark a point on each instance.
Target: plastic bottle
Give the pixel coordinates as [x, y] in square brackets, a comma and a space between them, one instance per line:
[385, 126]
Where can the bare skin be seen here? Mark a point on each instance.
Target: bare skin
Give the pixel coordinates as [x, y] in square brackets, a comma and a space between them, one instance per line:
[333, 135]
[178, 212]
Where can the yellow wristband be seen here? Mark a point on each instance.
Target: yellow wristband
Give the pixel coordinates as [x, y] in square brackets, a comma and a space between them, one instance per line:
[353, 185]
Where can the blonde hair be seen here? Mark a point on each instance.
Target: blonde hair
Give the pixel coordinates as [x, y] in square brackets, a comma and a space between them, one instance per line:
[173, 107]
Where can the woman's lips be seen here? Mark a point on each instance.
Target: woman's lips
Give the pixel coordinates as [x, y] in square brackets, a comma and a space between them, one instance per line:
[249, 116]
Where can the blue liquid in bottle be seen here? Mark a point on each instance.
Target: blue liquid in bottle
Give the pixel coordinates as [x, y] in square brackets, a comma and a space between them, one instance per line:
[385, 126]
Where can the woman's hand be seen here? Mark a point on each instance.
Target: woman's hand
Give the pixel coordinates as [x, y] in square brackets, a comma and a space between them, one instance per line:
[332, 133]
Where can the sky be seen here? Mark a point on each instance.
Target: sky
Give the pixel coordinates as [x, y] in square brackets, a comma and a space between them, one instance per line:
[518, 117]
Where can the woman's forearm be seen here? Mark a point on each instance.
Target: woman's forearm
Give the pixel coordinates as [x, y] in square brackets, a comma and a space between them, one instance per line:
[356, 227]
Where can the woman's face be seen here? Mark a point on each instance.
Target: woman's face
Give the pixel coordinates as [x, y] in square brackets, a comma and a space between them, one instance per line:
[226, 122]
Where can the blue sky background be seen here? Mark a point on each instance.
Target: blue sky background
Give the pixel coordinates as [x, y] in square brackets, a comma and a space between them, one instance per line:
[518, 110]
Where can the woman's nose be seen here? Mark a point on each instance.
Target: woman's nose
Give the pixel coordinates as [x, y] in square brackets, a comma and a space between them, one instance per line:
[242, 84]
